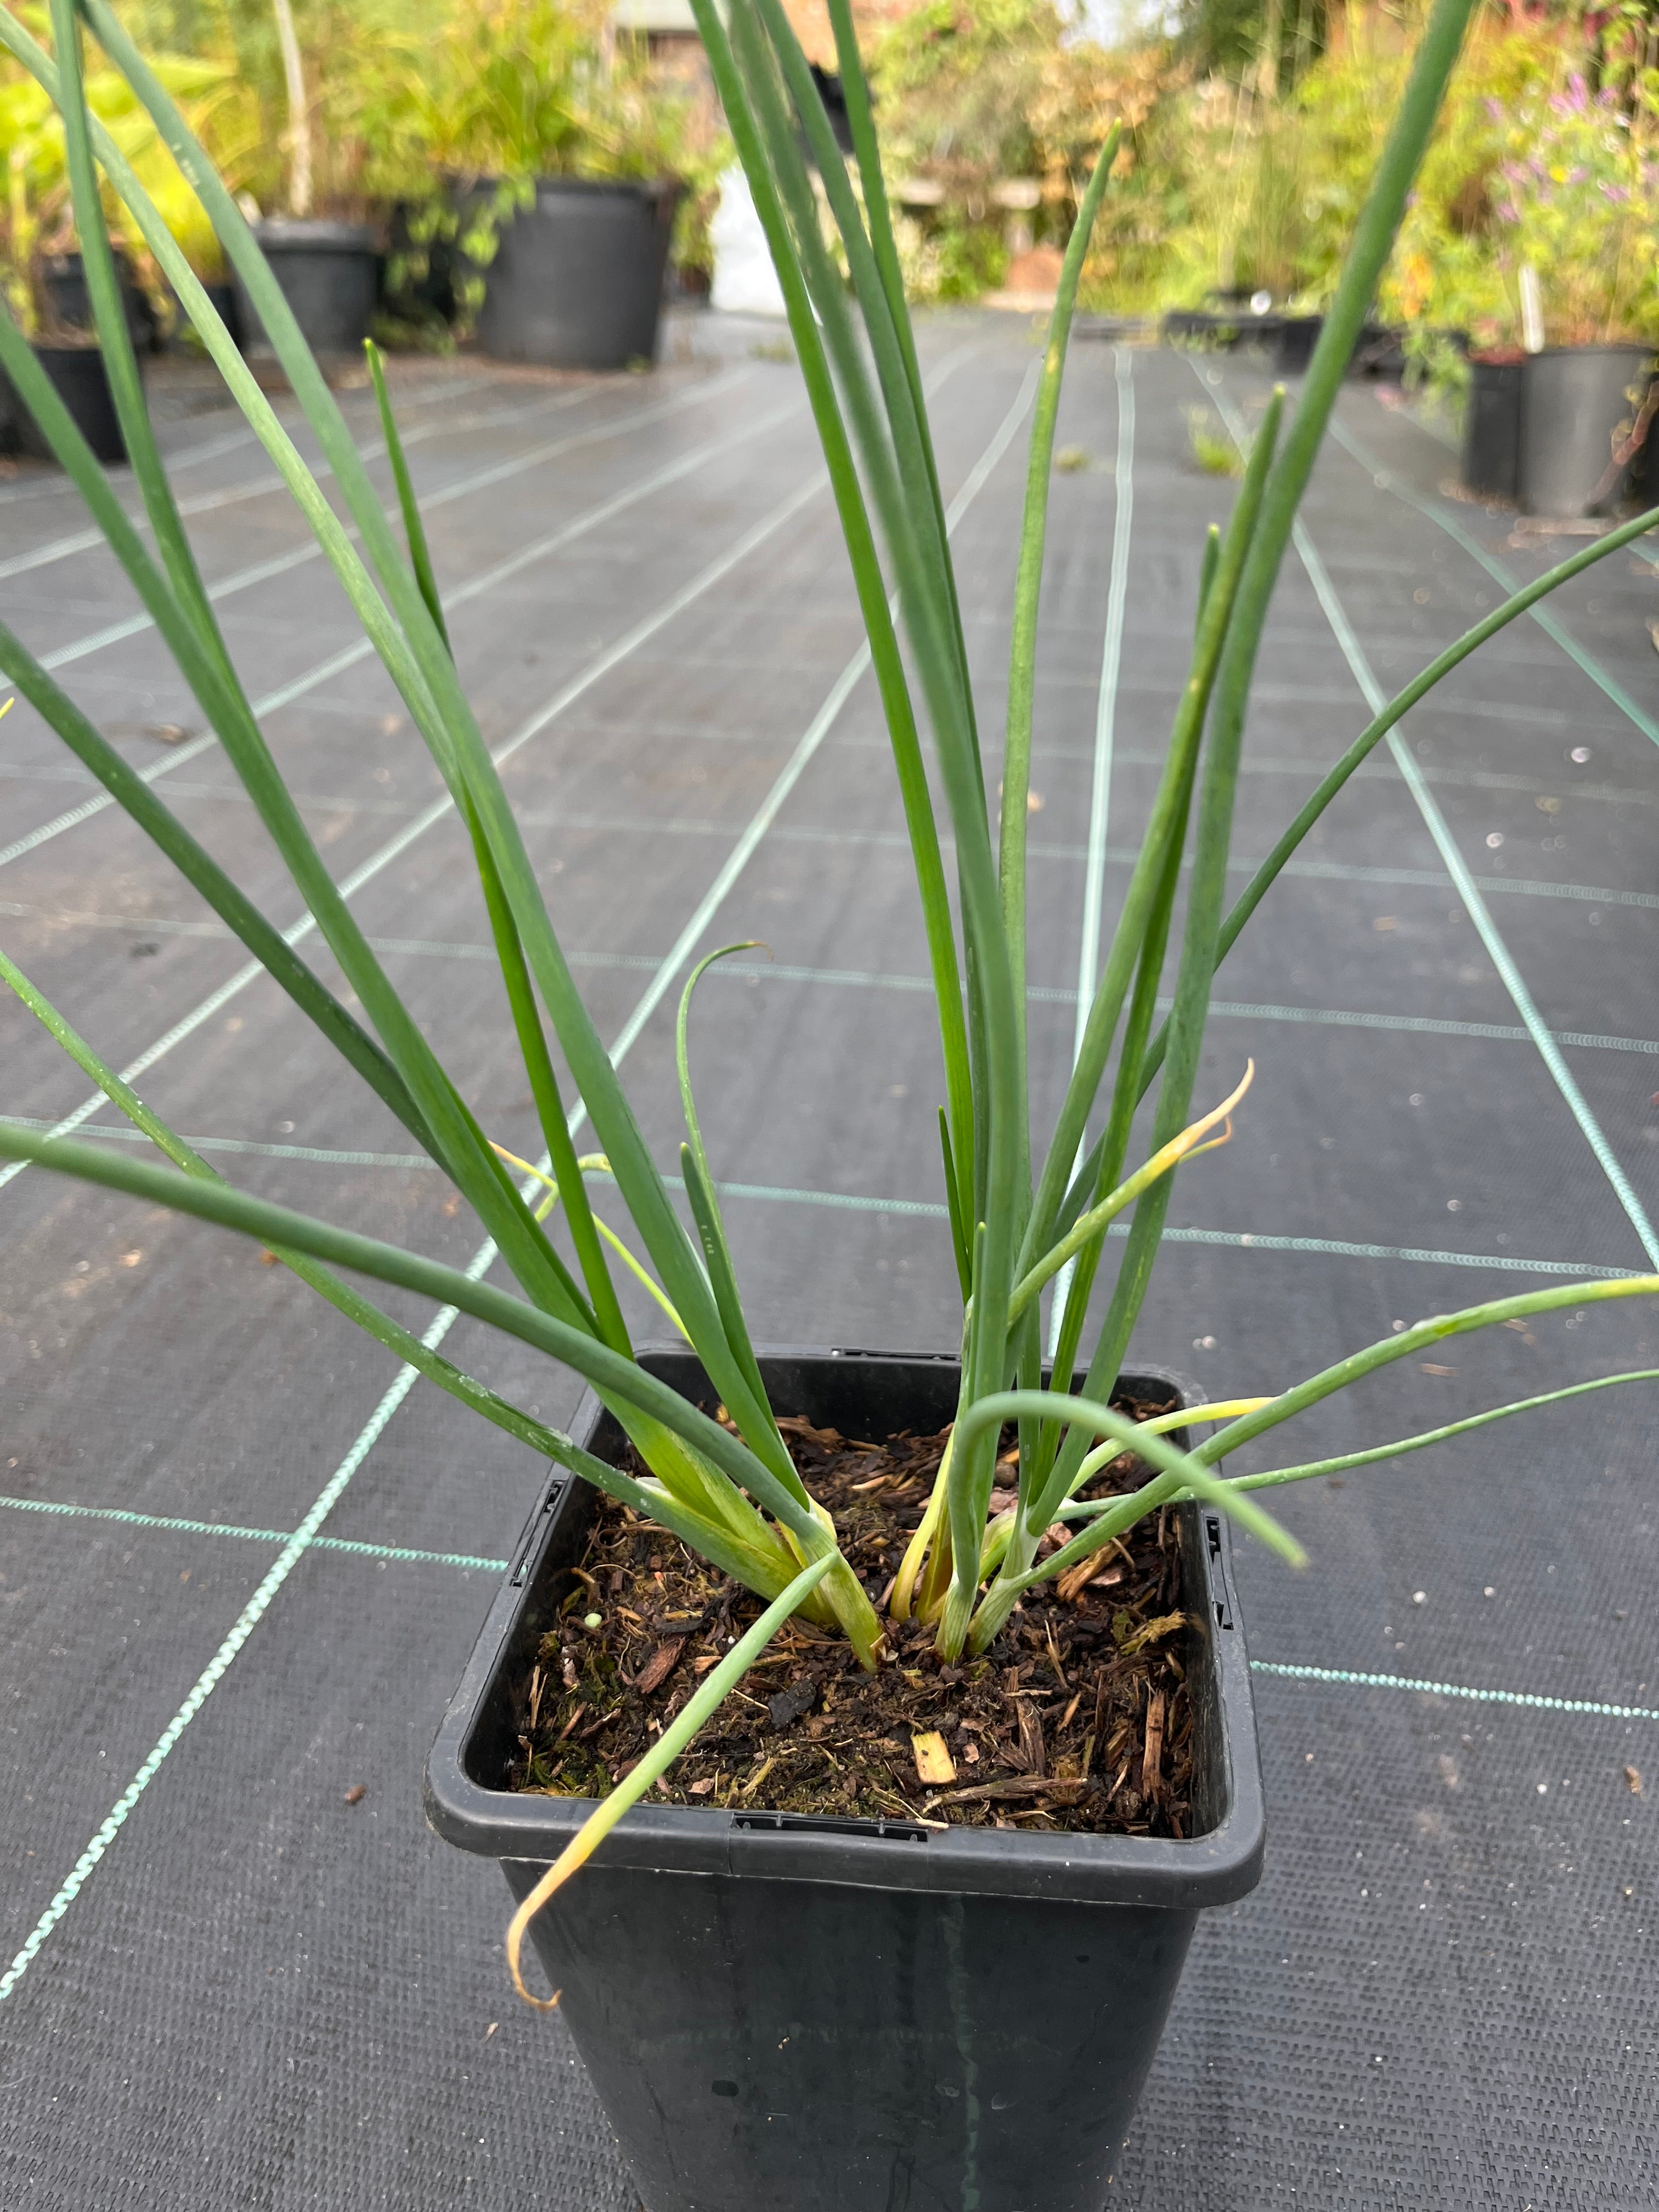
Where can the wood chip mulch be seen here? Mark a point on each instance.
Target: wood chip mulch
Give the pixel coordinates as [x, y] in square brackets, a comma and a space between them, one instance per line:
[1077, 1717]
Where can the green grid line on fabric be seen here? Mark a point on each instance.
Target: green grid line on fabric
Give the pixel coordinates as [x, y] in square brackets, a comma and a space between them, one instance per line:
[1350, 1679]
[174, 1525]
[1231, 1240]
[1345, 1677]
[1388, 480]
[864, 979]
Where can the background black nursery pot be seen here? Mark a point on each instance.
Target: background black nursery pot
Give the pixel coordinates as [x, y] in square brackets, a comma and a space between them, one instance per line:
[578, 275]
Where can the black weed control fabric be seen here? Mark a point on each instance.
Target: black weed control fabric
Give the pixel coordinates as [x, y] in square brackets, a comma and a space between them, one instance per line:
[247, 1976]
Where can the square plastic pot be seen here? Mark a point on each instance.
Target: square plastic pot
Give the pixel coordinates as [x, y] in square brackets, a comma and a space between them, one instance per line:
[63, 280]
[783, 2013]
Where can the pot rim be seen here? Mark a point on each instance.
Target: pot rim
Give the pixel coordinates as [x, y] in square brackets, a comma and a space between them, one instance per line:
[287, 233]
[1640, 346]
[1213, 1869]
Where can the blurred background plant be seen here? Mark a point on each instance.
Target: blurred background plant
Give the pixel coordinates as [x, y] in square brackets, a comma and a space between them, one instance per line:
[974, 97]
[38, 222]
[1577, 198]
[1249, 126]
[460, 114]
[1244, 172]
[408, 102]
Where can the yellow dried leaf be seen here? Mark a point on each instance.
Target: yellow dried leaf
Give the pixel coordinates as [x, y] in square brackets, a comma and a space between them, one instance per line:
[1153, 1633]
[934, 1764]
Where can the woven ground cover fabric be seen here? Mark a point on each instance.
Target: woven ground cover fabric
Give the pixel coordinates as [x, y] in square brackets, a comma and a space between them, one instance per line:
[235, 1986]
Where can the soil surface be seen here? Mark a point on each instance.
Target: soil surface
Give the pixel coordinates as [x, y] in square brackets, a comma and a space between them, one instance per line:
[1077, 1717]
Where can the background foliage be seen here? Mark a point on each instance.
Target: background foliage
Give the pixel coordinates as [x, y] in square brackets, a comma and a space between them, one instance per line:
[403, 96]
[1249, 126]
[1546, 151]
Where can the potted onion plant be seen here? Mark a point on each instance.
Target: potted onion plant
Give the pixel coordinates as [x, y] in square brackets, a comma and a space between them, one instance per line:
[914, 1943]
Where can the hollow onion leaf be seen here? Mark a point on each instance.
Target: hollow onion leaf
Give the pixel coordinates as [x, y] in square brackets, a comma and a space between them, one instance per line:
[1271, 1477]
[1028, 578]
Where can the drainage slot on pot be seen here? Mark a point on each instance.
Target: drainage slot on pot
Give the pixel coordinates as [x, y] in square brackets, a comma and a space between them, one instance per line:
[533, 1535]
[1224, 1616]
[832, 1824]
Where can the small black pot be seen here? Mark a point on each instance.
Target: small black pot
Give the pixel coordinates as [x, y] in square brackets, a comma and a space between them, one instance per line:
[1229, 333]
[577, 280]
[64, 281]
[1297, 336]
[783, 2013]
[1491, 430]
[226, 299]
[328, 273]
[81, 381]
[1575, 402]
[1380, 354]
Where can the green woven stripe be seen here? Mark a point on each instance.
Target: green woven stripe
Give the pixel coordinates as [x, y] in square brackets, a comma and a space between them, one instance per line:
[1529, 1697]
[252, 1535]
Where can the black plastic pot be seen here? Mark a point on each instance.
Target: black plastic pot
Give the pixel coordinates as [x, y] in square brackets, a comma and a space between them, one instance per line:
[1225, 333]
[1297, 336]
[328, 273]
[64, 281]
[226, 299]
[577, 280]
[81, 381]
[1575, 402]
[1491, 430]
[1380, 354]
[789, 2014]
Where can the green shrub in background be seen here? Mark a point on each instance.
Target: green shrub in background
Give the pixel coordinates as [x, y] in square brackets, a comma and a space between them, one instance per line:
[405, 97]
[38, 219]
[1233, 190]
[976, 93]
[1577, 195]
[957, 87]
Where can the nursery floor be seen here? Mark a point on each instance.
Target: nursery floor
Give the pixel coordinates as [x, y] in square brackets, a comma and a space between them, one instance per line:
[245, 1973]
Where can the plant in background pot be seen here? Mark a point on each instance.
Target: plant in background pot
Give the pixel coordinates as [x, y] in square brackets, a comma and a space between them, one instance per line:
[537, 171]
[1577, 211]
[945, 1954]
[66, 351]
[327, 266]
[45, 281]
